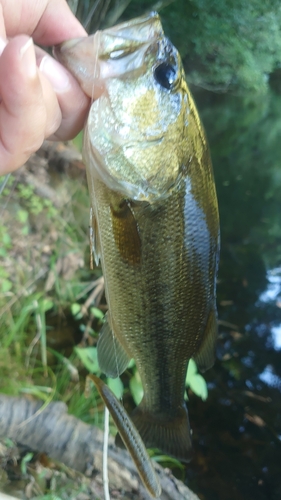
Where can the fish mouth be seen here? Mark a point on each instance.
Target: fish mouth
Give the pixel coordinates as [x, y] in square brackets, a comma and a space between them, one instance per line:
[142, 30]
[112, 52]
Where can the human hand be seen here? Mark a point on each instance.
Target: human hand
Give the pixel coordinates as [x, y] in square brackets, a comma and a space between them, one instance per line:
[39, 98]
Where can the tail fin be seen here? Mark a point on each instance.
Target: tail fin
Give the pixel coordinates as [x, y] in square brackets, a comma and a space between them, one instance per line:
[169, 434]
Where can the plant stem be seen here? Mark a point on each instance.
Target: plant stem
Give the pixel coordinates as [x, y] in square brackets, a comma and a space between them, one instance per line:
[105, 452]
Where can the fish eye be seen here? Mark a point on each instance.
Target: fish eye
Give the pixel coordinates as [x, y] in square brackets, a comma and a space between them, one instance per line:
[165, 74]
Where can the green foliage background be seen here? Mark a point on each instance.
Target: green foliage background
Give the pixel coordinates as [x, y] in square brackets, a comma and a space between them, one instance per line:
[225, 44]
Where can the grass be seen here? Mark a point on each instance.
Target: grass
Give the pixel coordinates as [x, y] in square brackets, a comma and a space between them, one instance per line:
[44, 267]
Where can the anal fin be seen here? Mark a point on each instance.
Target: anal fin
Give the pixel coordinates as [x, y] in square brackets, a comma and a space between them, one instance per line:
[205, 356]
[112, 357]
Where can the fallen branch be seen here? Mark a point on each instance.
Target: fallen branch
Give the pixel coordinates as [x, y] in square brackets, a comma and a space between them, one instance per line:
[78, 445]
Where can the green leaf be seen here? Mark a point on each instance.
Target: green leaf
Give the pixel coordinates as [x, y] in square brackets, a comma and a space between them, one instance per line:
[25, 230]
[131, 363]
[8, 443]
[192, 369]
[24, 462]
[76, 310]
[173, 462]
[6, 240]
[22, 216]
[47, 304]
[3, 273]
[97, 313]
[198, 385]
[89, 358]
[116, 385]
[3, 252]
[6, 285]
[136, 388]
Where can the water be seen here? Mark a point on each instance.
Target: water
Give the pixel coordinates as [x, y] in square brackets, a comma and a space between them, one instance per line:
[237, 431]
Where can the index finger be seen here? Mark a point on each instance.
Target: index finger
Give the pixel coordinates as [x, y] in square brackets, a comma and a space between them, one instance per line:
[49, 22]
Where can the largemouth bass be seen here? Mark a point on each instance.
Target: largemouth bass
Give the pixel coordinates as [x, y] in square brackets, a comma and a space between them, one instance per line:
[155, 218]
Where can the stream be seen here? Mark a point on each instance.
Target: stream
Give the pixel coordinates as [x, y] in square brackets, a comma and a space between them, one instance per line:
[237, 431]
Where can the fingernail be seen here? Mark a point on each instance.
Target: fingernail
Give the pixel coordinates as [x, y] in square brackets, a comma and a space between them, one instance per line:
[27, 53]
[55, 73]
[3, 44]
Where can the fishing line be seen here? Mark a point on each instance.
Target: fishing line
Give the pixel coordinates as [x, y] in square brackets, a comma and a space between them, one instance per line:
[96, 38]
[95, 72]
[105, 455]
[90, 14]
[3, 185]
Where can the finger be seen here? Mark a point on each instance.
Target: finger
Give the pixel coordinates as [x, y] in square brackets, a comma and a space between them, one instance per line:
[57, 24]
[49, 22]
[2, 24]
[28, 104]
[74, 104]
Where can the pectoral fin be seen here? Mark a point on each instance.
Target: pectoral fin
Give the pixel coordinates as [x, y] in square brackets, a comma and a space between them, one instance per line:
[205, 356]
[112, 358]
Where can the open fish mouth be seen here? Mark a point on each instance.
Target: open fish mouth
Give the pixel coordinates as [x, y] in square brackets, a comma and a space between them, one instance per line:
[113, 52]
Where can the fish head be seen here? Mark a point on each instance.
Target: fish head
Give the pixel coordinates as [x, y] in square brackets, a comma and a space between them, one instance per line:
[135, 135]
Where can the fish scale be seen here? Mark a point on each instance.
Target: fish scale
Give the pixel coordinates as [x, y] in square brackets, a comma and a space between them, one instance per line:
[149, 289]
